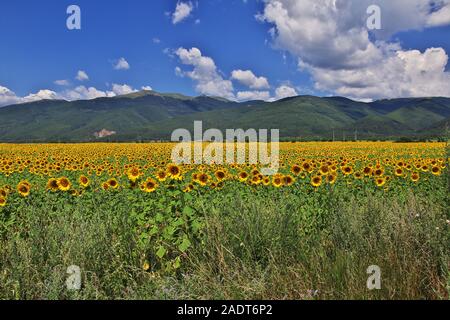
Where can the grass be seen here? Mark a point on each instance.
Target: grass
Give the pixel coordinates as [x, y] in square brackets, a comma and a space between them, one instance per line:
[281, 246]
[249, 256]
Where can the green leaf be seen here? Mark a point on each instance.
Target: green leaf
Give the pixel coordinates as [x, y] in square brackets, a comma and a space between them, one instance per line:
[159, 217]
[177, 263]
[188, 211]
[154, 230]
[176, 193]
[188, 196]
[161, 252]
[178, 222]
[184, 245]
[170, 230]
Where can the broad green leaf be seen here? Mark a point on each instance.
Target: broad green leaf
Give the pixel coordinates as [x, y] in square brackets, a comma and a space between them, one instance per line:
[184, 245]
[161, 252]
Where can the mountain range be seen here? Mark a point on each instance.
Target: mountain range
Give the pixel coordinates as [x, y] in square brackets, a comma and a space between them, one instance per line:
[149, 115]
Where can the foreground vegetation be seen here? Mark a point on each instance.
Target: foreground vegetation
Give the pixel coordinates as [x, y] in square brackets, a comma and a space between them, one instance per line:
[304, 234]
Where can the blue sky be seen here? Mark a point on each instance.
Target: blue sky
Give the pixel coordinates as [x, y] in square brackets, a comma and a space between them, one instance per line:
[38, 49]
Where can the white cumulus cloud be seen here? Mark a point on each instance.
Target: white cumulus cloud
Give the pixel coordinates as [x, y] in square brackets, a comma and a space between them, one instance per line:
[440, 17]
[330, 39]
[121, 64]
[249, 79]
[121, 89]
[182, 11]
[41, 95]
[8, 97]
[253, 95]
[403, 74]
[204, 73]
[62, 83]
[82, 76]
[285, 91]
[84, 93]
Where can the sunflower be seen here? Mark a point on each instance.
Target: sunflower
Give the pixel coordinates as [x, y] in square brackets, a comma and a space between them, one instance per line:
[220, 175]
[174, 171]
[64, 184]
[243, 176]
[105, 186]
[367, 171]
[288, 180]
[113, 183]
[266, 181]
[2, 201]
[398, 171]
[149, 185]
[358, 175]
[324, 170]
[295, 169]
[75, 193]
[24, 188]
[220, 184]
[436, 171]
[188, 188]
[84, 181]
[316, 181]
[134, 173]
[203, 179]
[52, 185]
[161, 175]
[378, 172]
[331, 178]
[307, 167]
[380, 181]
[3, 193]
[347, 170]
[26, 183]
[415, 176]
[277, 181]
[256, 180]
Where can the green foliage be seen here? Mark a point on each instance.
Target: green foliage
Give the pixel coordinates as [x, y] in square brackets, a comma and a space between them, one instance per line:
[165, 227]
[233, 243]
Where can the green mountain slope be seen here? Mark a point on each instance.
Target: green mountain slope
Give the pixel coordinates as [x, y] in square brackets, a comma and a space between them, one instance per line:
[149, 115]
[294, 117]
[441, 128]
[79, 120]
[415, 118]
[305, 116]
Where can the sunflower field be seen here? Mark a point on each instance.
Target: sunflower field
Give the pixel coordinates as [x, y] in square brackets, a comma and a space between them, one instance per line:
[140, 226]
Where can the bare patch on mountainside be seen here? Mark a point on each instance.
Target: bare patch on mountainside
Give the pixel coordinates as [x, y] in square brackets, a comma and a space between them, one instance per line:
[104, 133]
